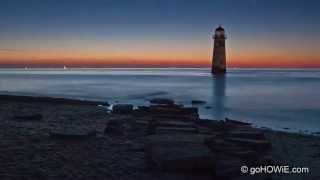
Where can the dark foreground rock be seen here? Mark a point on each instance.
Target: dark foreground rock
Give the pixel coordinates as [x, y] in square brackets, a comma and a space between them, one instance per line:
[150, 143]
[258, 135]
[28, 117]
[178, 153]
[184, 157]
[198, 102]
[211, 150]
[105, 104]
[178, 142]
[118, 127]
[218, 148]
[257, 145]
[162, 101]
[122, 109]
[72, 134]
[235, 122]
[175, 112]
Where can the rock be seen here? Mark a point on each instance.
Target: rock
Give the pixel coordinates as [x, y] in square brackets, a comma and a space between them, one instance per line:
[227, 173]
[232, 153]
[105, 104]
[159, 109]
[162, 101]
[216, 126]
[30, 117]
[247, 134]
[122, 108]
[208, 122]
[176, 139]
[257, 145]
[72, 134]
[266, 160]
[243, 128]
[219, 145]
[163, 126]
[227, 167]
[133, 146]
[182, 158]
[198, 102]
[204, 130]
[249, 156]
[235, 122]
[173, 123]
[173, 113]
[178, 153]
[168, 130]
[116, 127]
[152, 127]
[142, 122]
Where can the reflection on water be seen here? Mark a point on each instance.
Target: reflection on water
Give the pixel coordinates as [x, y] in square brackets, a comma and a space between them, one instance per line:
[219, 93]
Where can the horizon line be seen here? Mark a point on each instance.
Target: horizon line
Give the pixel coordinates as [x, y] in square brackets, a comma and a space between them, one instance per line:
[70, 68]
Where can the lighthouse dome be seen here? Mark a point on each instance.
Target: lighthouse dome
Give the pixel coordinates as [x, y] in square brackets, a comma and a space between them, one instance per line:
[220, 28]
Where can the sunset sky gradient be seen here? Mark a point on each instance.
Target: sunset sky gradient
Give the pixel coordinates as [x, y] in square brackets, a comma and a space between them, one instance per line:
[158, 33]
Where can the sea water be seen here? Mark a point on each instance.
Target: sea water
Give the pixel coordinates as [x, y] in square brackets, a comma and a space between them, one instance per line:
[283, 99]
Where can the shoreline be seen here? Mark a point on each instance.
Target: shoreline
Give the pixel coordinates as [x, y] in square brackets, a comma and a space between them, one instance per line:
[78, 101]
[46, 99]
[57, 138]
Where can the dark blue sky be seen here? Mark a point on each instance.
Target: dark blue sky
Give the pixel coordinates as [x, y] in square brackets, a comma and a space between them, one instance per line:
[245, 15]
[69, 26]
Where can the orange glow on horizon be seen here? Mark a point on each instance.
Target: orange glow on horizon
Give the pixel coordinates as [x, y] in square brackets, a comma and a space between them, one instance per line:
[242, 63]
[154, 59]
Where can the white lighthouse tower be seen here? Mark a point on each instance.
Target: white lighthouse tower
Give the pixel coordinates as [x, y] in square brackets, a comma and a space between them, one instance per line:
[219, 52]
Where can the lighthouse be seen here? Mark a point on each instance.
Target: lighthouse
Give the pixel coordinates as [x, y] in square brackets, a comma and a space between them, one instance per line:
[219, 52]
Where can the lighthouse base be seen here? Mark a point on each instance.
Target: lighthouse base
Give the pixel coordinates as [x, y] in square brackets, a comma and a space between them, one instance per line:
[218, 71]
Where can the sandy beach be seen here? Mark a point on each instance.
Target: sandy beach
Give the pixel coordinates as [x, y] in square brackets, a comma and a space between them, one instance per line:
[48, 138]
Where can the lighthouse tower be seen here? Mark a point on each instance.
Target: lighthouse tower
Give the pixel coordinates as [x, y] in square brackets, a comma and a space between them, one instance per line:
[219, 52]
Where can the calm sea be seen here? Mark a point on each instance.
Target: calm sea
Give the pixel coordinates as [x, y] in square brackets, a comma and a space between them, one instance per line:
[275, 98]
